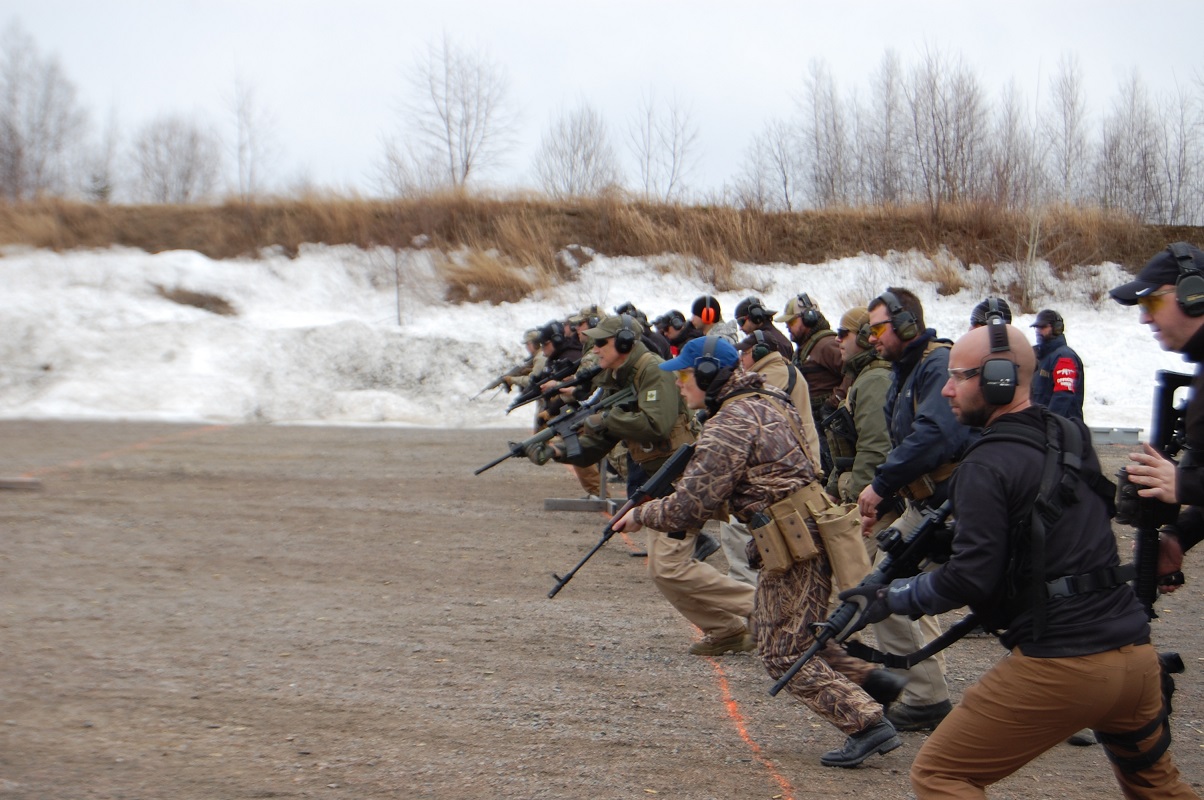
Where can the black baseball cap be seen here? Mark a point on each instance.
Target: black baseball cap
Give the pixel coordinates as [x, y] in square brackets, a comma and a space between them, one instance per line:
[1161, 270]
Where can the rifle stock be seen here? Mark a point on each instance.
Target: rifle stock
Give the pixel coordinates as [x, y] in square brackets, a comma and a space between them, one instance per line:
[656, 486]
[904, 557]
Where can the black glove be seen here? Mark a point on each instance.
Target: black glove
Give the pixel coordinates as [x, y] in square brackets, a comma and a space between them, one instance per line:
[872, 601]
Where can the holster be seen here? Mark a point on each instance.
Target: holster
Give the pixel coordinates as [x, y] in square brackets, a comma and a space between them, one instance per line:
[924, 486]
[781, 531]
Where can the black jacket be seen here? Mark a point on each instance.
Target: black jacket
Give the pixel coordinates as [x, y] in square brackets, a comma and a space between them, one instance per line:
[993, 491]
[1190, 476]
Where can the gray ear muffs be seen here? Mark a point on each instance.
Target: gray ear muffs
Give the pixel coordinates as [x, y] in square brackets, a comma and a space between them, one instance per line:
[998, 376]
[1189, 287]
[762, 347]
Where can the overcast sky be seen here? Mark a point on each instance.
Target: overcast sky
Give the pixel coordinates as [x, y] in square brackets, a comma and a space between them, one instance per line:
[333, 73]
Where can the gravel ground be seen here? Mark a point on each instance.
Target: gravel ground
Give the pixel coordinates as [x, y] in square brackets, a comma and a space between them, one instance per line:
[252, 612]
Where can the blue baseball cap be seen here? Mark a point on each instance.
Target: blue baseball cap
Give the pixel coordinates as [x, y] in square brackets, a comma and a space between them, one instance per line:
[724, 352]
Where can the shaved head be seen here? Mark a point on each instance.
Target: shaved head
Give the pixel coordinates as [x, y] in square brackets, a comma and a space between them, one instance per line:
[970, 353]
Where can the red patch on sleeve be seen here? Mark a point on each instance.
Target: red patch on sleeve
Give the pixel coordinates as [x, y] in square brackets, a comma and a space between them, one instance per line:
[1065, 375]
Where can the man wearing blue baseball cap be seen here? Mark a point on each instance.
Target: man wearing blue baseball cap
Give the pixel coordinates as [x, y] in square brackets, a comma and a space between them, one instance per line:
[752, 455]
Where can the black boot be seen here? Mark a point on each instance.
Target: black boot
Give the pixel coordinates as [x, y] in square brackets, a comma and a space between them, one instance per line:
[880, 738]
[884, 686]
[705, 546]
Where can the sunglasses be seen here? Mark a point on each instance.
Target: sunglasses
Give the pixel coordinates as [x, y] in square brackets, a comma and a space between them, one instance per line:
[1152, 302]
[683, 375]
[879, 328]
[963, 374]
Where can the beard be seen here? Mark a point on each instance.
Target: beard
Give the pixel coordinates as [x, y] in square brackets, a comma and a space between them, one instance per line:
[973, 417]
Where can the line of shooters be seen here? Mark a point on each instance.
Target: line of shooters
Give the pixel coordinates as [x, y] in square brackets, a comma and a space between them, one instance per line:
[805, 451]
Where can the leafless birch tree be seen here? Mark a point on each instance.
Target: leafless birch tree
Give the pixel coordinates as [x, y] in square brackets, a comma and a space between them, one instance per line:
[41, 122]
[663, 140]
[575, 158]
[177, 160]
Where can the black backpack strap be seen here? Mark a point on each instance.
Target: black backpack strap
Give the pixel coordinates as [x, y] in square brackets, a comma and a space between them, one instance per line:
[792, 381]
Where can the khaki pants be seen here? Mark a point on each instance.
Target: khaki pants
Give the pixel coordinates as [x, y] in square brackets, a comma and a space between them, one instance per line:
[734, 538]
[1024, 706]
[714, 602]
[901, 636]
[590, 479]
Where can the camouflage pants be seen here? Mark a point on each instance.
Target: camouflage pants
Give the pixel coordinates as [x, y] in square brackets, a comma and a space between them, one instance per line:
[829, 684]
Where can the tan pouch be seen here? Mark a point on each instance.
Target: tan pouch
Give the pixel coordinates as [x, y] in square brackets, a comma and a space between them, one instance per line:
[775, 555]
[840, 528]
[791, 516]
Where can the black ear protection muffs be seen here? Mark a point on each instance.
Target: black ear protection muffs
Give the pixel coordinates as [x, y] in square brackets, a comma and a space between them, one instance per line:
[1189, 286]
[756, 311]
[676, 320]
[994, 310]
[626, 338]
[998, 376]
[707, 366]
[762, 348]
[556, 335]
[808, 313]
[901, 320]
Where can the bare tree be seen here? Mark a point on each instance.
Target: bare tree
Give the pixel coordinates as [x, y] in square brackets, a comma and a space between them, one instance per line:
[255, 144]
[1178, 135]
[575, 158]
[770, 176]
[1126, 166]
[1015, 170]
[1064, 131]
[177, 160]
[41, 123]
[825, 139]
[882, 136]
[949, 125]
[99, 167]
[459, 120]
[663, 140]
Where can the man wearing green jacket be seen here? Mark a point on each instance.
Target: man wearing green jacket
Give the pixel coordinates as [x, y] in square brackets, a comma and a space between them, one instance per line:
[858, 436]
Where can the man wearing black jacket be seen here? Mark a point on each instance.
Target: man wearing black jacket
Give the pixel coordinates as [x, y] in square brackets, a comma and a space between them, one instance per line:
[1170, 291]
[926, 441]
[1080, 647]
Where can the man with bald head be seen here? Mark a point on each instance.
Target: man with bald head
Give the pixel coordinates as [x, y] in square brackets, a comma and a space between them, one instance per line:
[1079, 641]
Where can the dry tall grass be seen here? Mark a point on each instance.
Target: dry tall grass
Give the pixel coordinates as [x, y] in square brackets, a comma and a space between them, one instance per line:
[500, 249]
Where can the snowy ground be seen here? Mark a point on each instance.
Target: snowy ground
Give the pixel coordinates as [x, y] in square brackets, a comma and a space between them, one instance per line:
[343, 336]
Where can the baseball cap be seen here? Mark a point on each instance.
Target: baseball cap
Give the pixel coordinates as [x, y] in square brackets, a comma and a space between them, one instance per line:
[1047, 316]
[1161, 270]
[610, 326]
[853, 319]
[795, 307]
[724, 352]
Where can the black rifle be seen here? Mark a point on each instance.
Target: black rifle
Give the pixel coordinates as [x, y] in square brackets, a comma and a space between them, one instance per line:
[583, 378]
[1168, 435]
[840, 422]
[567, 425]
[500, 380]
[656, 486]
[556, 371]
[905, 556]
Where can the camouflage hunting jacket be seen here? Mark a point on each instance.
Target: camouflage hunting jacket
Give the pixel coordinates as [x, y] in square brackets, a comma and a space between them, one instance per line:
[747, 455]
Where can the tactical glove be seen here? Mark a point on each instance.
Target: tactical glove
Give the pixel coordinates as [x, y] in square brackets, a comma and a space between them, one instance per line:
[539, 453]
[871, 598]
[595, 424]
